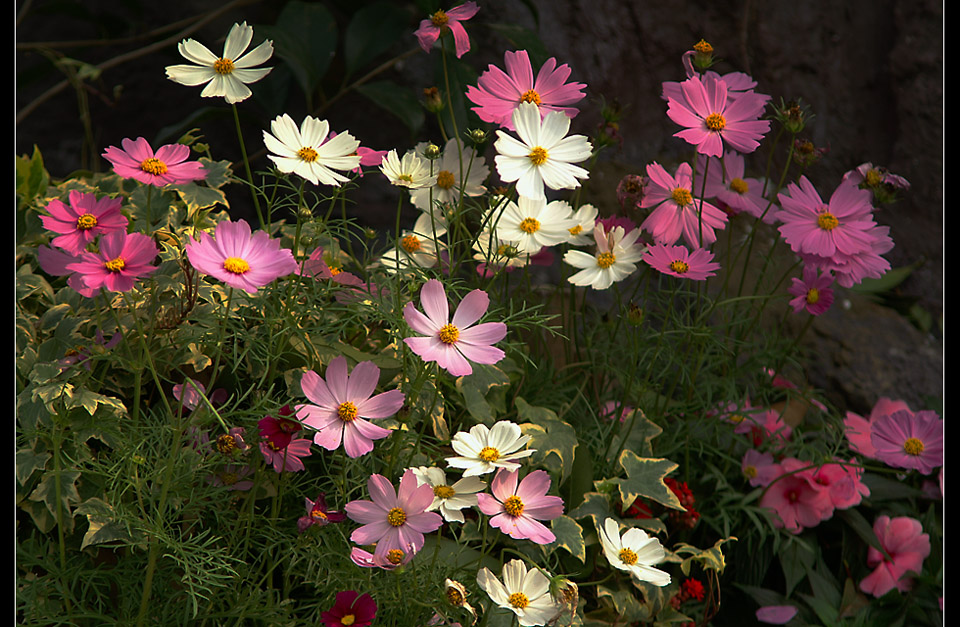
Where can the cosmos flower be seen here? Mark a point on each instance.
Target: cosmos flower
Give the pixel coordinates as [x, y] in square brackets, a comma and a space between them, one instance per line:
[759, 468]
[285, 458]
[517, 510]
[239, 259]
[525, 593]
[530, 224]
[858, 429]
[351, 609]
[458, 169]
[122, 259]
[696, 265]
[903, 540]
[312, 151]
[168, 165]
[812, 292]
[431, 29]
[56, 262]
[318, 514]
[679, 211]
[634, 552]
[448, 498]
[909, 440]
[728, 184]
[226, 76]
[82, 220]
[411, 171]
[614, 259]
[581, 233]
[485, 449]
[795, 499]
[420, 247]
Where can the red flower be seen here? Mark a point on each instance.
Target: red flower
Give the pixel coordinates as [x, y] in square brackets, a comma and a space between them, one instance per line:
[693, 589]
[350, 609]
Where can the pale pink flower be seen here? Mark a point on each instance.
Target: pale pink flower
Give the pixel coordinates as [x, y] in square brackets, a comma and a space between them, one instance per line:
[498, 93]
[168, 165]
[453, 343]
[388, 561]
[866, 264]
[239, 259]
[189, 393]
[868, 176]
[287, 458]
[80, 222]
[696, 265]
[431, 29]
[858, 429]
[909, 440]
[904, 541]
[737, 84]
[122, 259]
[759, 468]
[813, 227]
[679, 211]
[342, 406]
[812, 292]
[794, 497]
[517, 509]
[728, 184]
[233, 477]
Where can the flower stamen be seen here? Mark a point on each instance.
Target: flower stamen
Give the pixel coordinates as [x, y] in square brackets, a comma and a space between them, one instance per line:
[538, 155]
[529, 225]
[605, 260]
[153, 166]
[827, 221]
[518, 600]
[680, 267]
[715, 122]
[513, 506]
[449, 334]
[115, 265]
[628, 557]
[530, 96]
[86, 222]
[489, 454]
[307, 154]
[681, 196]
[443, 491]
[739, 185]
[396, 517]
[445, 179]
[913, 446]
[223, 66]
[236, 265]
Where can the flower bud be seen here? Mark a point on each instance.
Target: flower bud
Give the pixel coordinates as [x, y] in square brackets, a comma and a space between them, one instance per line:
[432, 151]
[431, 100]
[477, 136]
[630, 190]
[703, 58]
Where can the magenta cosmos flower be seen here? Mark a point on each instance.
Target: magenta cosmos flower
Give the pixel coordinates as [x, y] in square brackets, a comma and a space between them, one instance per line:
[394, 520]
[727, 183]
[239, 259]
[677, 261]
[342, 406]
[812, 292]
[453, 344]
[168, 165]
[813, 227]
[678, 210]
[80, 222]
[287, 458]
[904, 541]
[431, 29]
[517, 509]
[498, 93]
[56, 262]
[858, 428]
[351, 609]
[713, 121]
[121, 260]
[318, 514]
[796, 499]
[907, 440]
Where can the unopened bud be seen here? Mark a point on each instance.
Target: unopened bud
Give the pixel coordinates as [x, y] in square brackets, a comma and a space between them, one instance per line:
[431, 100]
[477, 136]
[634, 314]
[630, 190]
[432, 151]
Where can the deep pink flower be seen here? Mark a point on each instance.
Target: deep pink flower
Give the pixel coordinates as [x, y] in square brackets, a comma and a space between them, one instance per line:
[868, 263]
[342, 406]
[56, 262]
[80, 222]
[677, 261]
[168, 165]
[907, 440]
[388, 561]
[679, 210]
[728, 183]
[431, 29]
[394, 520]
[287, 458]
[843, 482]
[232, 442]
[121, 260]
[280, 430]
[189, 393]
[351, 609]
[904, 541]
[796, 499]
[453, 344]
[612, 410]
[858, 429]
[517, 509]
[318, 514]
[498, 93]
[813, 227]
[239, 259]
[713, 121]
[812, 292]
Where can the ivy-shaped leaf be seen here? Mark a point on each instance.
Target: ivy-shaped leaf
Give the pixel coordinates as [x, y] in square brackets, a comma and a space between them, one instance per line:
[554, 440]
[709, 559]
[640, 433]
[103, 527]
[28, 462]
[46, 493]
[569, 537]
[645, 478]
[477, 387]
[199, 197]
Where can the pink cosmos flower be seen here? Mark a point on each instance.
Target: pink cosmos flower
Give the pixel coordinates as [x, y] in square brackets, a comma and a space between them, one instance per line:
[842, 481]
[737, 84]
[727, 183]
[368, 156]
[189, 393]
[280, 430]
[796, 499]
[776, 614]
[287, 458]
[343, 405]
[56, 262]
[318, 514]
[677, 261]
[613, 410]
[238, 259]
[453, 344]
[812, 292]
[904, 541]
[351, 609]
[858, 429]
[392, 560]
[231, 443]
[759, 468]
[868, 263]
[168, 165]
[867, 175]
[431, 29]
[907, 440]
[498, 93]
[121, 260]
[80, 222]
[713, 121]
[516, 510]
[232, 477]
[678, 209]
[813, 227]
[394, 520]
[81, 355]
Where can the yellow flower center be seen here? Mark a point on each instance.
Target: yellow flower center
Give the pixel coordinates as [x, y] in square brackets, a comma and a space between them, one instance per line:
[115, 265]
[513, 506]
[489, 454]
[153, 166]
[348, 619]
[680, 267]
[454, 596]
[605, 260]
[236, 265]
[703, 47]
[538, 156]
[443, 491]
[394, 556]
[715, 122]
[229, 478]
[681, 196]
[737, 419]
[445, 179]
[439, 19]
[872, 178]
[86, 221]
[226, 443]
[223, 66]
[628, 557]
[449, 334]
[577, 230]
[396, 517]
[750, 471]
[740, 186]
[316, 513]
[405, 177]
[518, 600]
[813, 296]
[913, 446]
[827, 221]
[530, 225]
[530, 96]
[410, 243]
[347, 411]
[307, 154]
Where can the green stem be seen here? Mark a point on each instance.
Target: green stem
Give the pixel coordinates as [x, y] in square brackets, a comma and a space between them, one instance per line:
[246, 165]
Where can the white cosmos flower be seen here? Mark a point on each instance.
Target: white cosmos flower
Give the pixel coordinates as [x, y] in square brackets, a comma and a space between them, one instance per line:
[495, 253]
[484, 449]
[544, 155]
[411, 171]
[227, 75]
[307, 151]
[417, 248]
[449, 499]
[448, 168]
[634, 552]
[615, 259]
[525, 593]
[532, 223]
[582, 233]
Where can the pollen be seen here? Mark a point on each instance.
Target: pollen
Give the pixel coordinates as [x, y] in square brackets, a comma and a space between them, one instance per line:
[740, 186]
[827, 221]
[408, 178]
[577, 230]
[236, 265]
[530, 225]
[813, 296]
[153, 166]
[750, 471]
[318, 514]
[307, 154]
[872, 177]
[348, 619]
[703, 47]
[411, 243]
[86, 222]
[737, 419]
[226, 443]
[443, 491]
[538, 156]
[439, 19]
[115, 265]
[530, 96]
[449, 334]
[513, 506]
[913, 446]
[715, 122]
[445, 179]
[628, 557]
[605, 260]
[347, 411]
[396, 517]
[680, 267]
[223, 66]
[454, 596]
[489, 454]
[394, 556]
[518, 600]
[681, 196]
